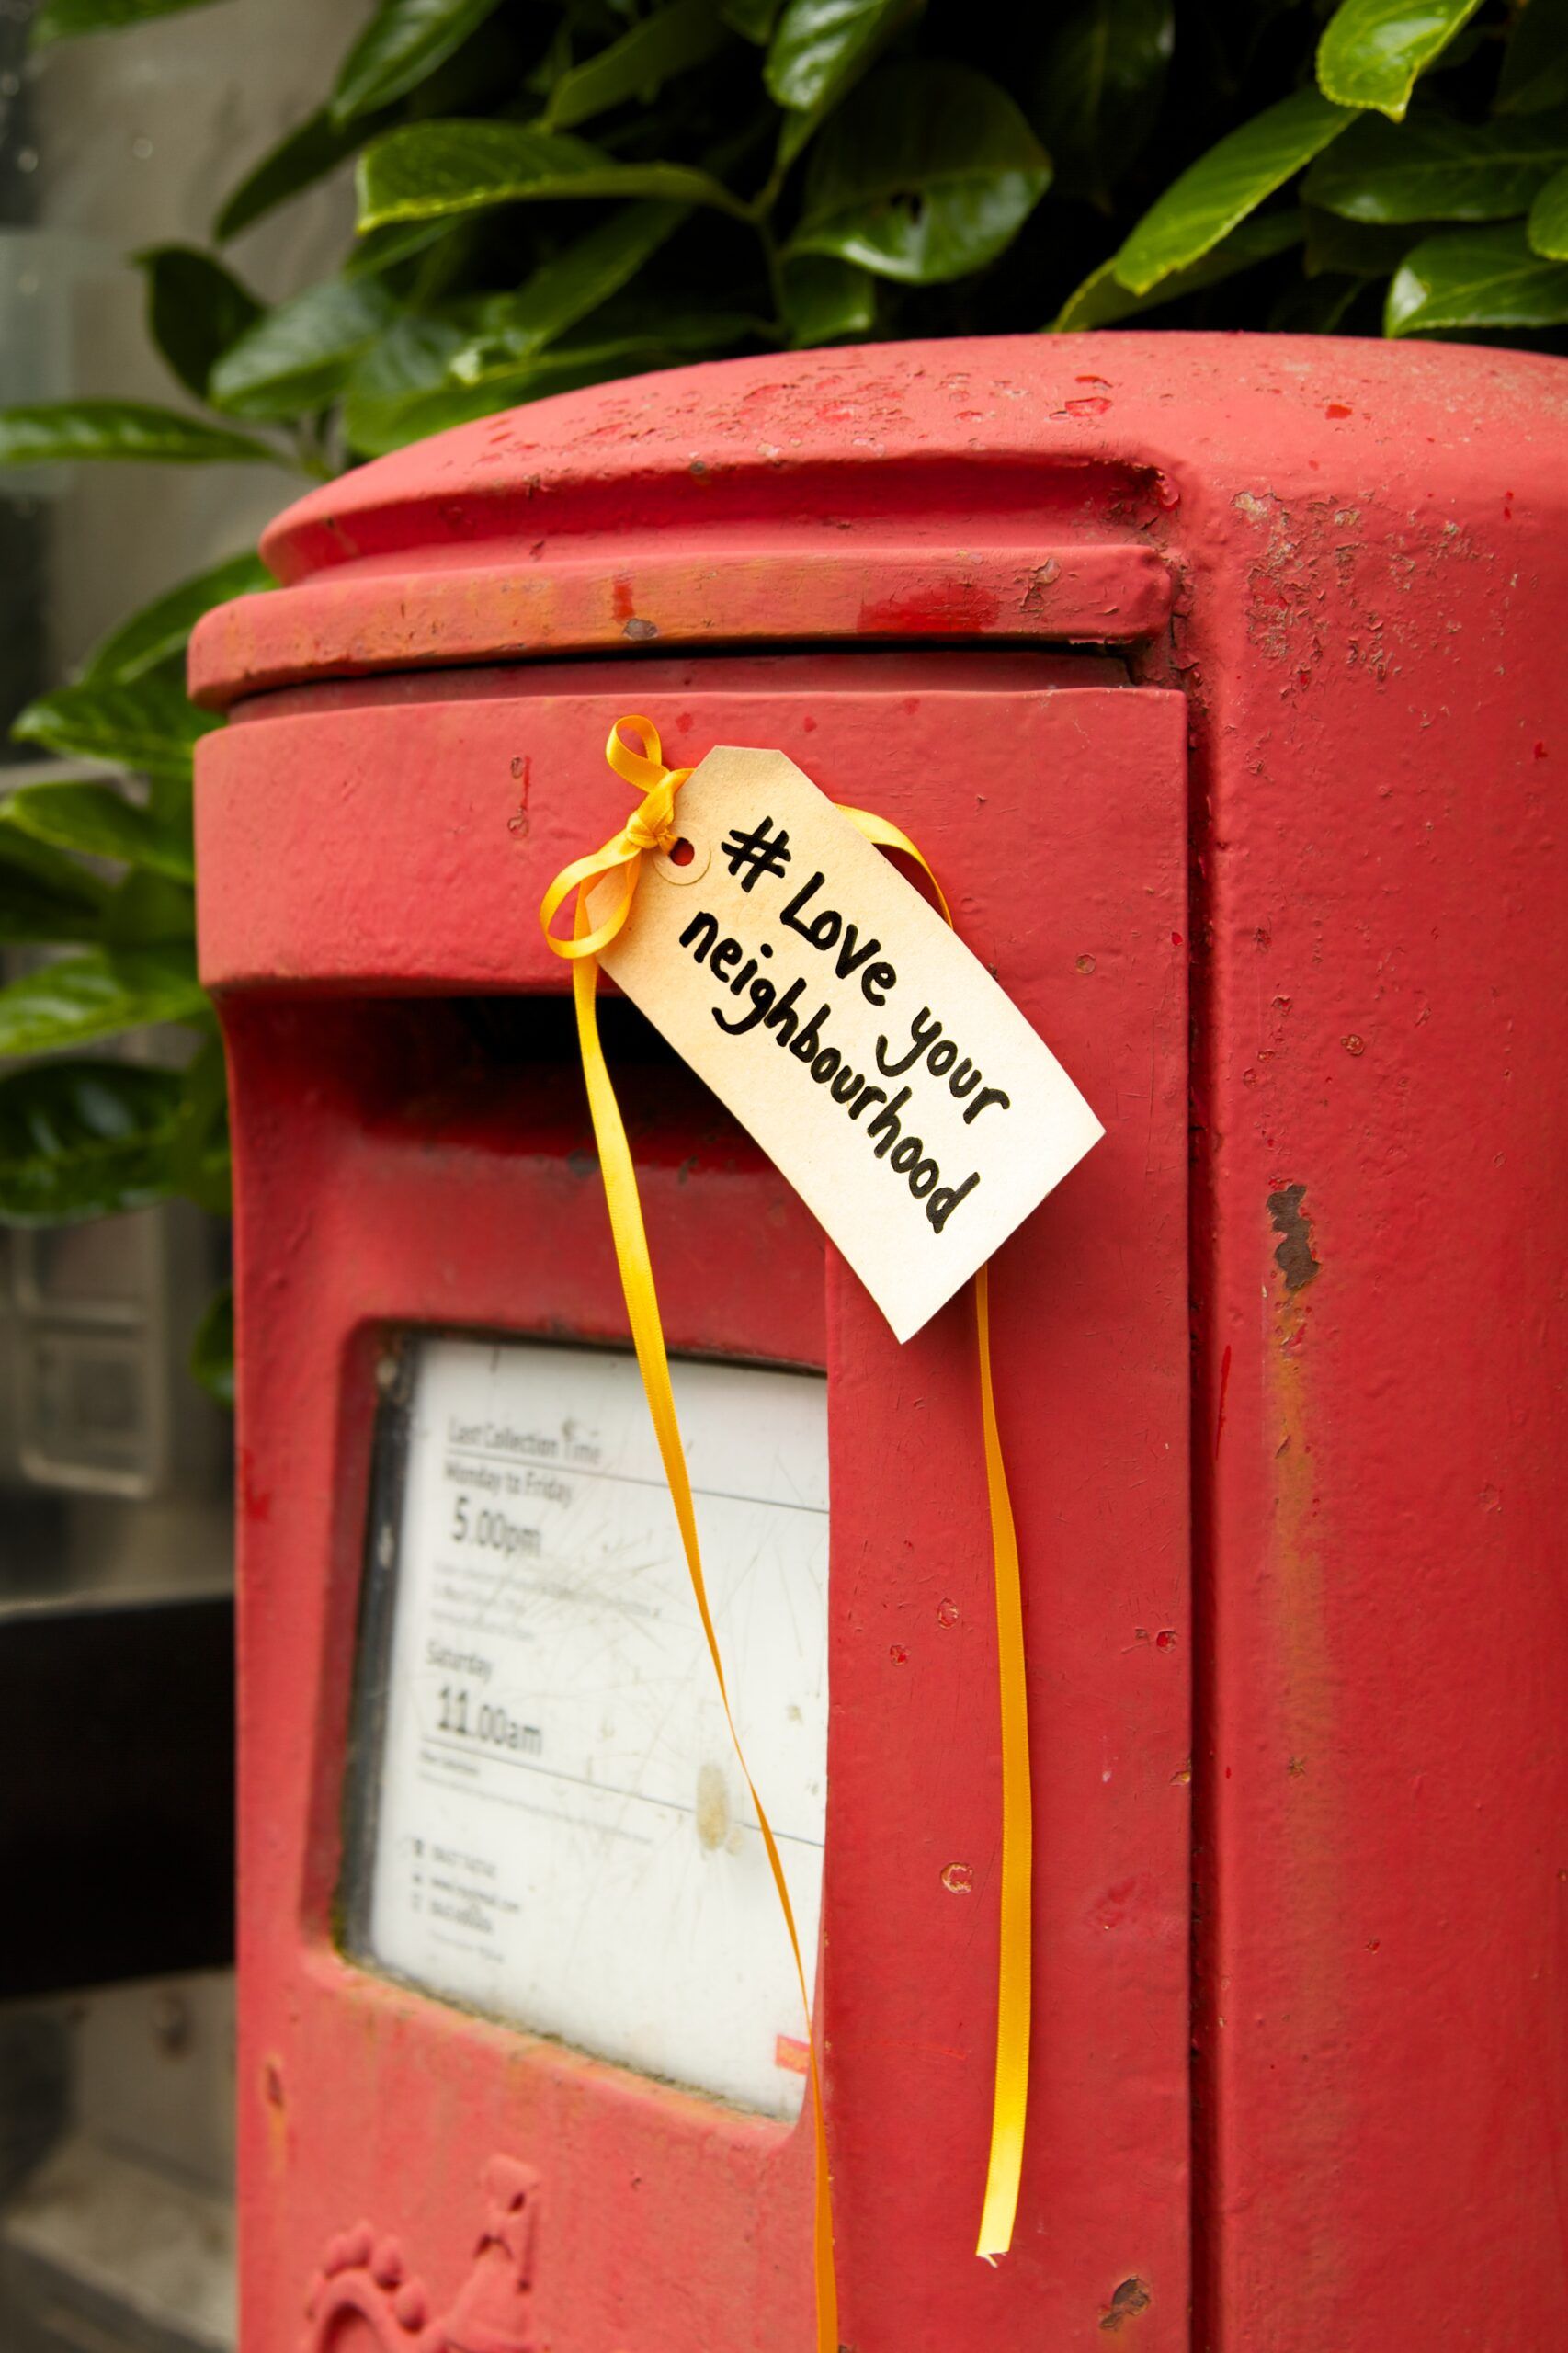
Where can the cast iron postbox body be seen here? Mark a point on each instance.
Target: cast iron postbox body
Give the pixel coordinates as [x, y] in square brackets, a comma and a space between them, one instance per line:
[1103, 623]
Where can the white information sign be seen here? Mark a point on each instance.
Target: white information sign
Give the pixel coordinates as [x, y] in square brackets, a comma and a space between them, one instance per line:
[561, 1835]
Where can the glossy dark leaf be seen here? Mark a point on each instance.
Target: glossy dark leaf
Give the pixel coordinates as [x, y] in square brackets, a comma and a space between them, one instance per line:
[1548, 225]
[567, 289]
[426, 170]
[45, 898]
[1470, 278]
[1102, 301]
[752, 19]
[1315, 305]
[820, 46]
[400, 388]
[826, 300]
[196, 309]
[1535, 63]
[298, 357]
[1099, 86]
[1336, 246]
[926, 173]
[671, 41]
[97, 821]
[146, 723]
[65, 432]
[403, 43]
[83, 998]
[148, 638]
[212, 1349]
[302, 157]
[385, 249]
[86, 1138]
[1433, 167]
[1214, 195]
[64, 19]
[403, 389]
[1373, 50]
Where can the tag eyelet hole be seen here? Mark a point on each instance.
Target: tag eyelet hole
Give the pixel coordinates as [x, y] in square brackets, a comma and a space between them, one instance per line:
[684, 862]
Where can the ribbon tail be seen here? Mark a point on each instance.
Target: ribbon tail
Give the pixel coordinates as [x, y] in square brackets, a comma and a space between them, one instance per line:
[631, 1239]
[887, 836]
[1014, 1968]
[1010, 2098]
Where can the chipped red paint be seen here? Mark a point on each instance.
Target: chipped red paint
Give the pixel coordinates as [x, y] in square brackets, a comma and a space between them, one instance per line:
[961, 610]
[1349, 560]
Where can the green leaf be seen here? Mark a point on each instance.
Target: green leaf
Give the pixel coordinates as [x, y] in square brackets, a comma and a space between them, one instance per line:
[827, 300]
[149, 911]
[1102, 300]
[670, 41]
[820, 46]
[145, 723]
[200, 1156]
[383, 249]
[1474, 278]
[752, 19]
[567, 289]
[1099, 84]
[63, 19]
[399, 389]
[1315, 305]
[99, 822]
[45, 897]
[87, 996]
[1434, 168]
[1547, 225]
[83, 1139]
[1373, 50]
[68, 431]
[297, 358]
[212, 1349]
[316, 146]
[1361, 248]
[301, 158]
[1535, 63]
[429, 169]
[149, 637]
[926, 173]
[1225, 185]
[404, 40]
[196, 309]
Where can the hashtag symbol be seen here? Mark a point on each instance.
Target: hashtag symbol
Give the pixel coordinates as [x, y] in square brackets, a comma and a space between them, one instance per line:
[762, 850]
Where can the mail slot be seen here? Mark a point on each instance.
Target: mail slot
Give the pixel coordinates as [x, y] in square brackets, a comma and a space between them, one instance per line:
[1222, 698]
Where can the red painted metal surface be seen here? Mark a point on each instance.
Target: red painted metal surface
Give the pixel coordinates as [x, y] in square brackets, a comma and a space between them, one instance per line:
[381, 1184]
[1367, 557]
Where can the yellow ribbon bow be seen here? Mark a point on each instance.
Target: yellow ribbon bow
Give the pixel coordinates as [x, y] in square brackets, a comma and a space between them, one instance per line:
[652, 828]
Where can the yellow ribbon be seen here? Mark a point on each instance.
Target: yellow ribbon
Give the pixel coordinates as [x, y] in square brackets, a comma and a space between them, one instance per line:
[652, 827]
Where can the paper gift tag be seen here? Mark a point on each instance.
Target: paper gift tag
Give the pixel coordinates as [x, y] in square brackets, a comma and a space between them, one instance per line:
[848, 1030]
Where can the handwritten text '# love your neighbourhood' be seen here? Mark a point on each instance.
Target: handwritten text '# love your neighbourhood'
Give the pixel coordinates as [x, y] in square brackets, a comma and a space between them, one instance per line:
[775, 1009]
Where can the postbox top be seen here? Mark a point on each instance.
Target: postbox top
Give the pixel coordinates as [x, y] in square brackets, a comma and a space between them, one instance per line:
[1020, 486]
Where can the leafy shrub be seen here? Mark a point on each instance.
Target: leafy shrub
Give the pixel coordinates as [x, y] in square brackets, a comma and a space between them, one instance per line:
[555, 192]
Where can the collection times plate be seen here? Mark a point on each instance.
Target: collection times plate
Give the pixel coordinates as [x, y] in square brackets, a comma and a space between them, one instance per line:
[553, 1825]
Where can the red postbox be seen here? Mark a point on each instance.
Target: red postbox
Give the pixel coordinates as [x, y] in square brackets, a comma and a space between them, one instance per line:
[1218, 679]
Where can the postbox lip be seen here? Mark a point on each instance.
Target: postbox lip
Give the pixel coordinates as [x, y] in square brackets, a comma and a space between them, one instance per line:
[1016, 486]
